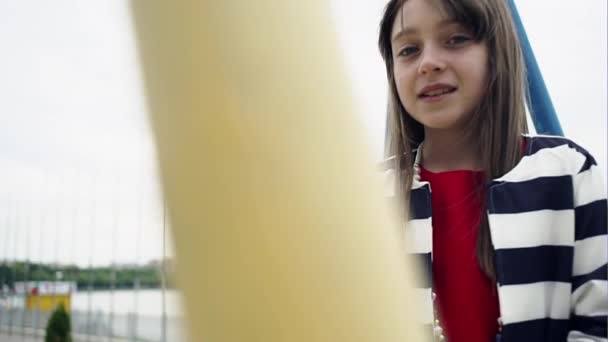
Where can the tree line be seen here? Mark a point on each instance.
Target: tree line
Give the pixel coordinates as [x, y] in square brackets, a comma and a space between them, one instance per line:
[122, 277]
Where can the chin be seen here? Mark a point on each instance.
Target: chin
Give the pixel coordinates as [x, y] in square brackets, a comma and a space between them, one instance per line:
[442, 120]
[441, 123]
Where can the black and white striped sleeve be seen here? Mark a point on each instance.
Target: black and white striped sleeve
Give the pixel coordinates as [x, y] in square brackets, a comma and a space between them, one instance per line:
[589, 301]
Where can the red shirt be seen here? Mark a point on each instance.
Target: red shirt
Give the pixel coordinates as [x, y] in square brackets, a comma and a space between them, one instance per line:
[466, 297]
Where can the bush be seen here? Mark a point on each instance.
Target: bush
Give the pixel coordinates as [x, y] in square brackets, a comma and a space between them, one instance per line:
[58, 329]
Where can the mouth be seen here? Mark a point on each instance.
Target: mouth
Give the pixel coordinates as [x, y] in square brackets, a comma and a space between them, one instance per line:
[436, 93]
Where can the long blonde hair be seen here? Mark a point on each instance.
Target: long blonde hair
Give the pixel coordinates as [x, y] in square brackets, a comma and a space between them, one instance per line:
[500, 119]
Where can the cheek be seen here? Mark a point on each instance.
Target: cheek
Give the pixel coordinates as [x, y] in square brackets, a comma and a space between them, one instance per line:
[481, 78]
[481, 70]
[474, 76]
[405, 85]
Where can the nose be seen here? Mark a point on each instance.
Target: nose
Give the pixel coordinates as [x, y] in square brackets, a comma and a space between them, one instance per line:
[431, 61]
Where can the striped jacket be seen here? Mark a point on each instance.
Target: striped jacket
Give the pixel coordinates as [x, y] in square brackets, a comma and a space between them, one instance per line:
[548, 223]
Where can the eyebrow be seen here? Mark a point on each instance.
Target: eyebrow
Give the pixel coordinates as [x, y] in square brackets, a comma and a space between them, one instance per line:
[411, 30]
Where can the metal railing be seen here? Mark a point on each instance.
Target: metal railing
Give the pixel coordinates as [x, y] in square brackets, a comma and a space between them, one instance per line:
[90, 326]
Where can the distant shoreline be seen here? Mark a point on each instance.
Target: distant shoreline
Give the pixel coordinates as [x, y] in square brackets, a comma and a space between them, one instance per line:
[97, 278]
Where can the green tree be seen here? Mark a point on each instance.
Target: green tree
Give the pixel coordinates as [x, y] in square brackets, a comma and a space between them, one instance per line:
[58, 329]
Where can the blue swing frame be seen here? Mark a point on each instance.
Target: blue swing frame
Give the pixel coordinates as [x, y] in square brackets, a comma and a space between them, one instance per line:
[539, 102]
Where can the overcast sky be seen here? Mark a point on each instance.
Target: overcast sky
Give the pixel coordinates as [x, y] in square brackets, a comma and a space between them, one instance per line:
[76, 153]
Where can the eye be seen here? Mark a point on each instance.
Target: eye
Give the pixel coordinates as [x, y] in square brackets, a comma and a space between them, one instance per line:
[458, 39]
[407, 51]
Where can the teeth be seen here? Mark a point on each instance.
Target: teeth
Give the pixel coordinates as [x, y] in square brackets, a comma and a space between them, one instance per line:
[438, 92]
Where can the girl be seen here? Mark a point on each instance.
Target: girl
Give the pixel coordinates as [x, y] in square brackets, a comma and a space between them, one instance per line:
[513, 236]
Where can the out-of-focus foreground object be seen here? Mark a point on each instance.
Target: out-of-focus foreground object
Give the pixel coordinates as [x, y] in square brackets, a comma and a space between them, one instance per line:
[281, 230]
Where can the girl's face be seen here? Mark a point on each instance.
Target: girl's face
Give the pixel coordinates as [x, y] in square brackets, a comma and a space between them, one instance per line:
[440, 70]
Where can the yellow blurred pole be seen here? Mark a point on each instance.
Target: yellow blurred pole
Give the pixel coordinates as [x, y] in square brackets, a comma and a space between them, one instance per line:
[281, 231]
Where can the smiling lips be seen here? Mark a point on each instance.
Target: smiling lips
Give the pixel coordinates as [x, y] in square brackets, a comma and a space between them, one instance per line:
[435, 92]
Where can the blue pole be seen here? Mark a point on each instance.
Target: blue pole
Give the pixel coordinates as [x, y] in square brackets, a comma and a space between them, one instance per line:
[539, 102]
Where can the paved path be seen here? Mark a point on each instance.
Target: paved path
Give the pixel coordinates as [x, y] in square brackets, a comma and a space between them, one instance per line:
[17, 337]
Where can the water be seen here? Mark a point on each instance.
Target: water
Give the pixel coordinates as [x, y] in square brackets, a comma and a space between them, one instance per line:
[143, 302]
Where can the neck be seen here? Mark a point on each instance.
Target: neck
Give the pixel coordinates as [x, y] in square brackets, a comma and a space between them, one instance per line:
[446, 150]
